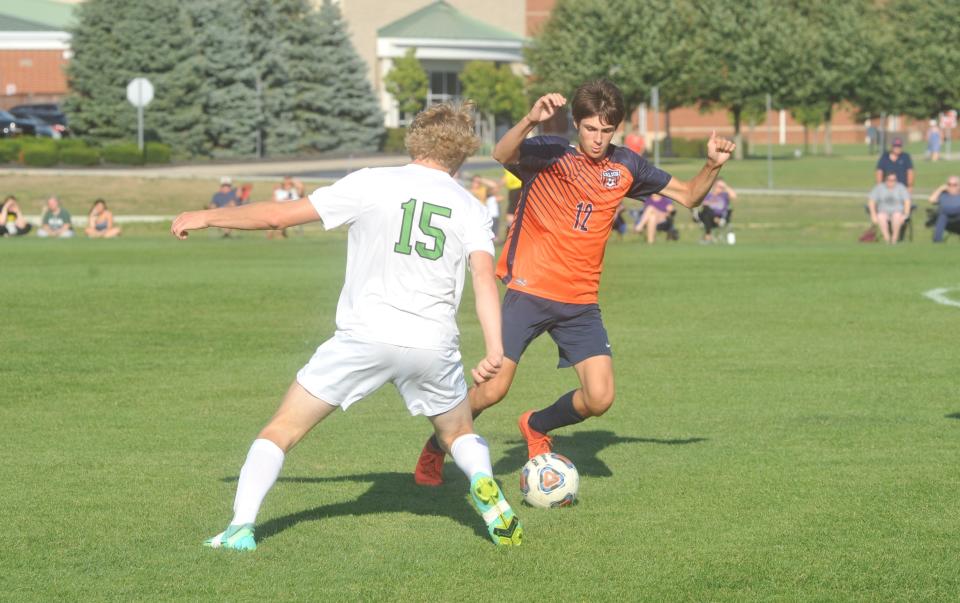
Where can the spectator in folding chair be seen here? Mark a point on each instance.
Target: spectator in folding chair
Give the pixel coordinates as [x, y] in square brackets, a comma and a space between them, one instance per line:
[946, 214]
[716, 211]
[658, 214]
[889, 206]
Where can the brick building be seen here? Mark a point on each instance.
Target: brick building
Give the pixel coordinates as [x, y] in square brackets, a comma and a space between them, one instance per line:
[34, 49]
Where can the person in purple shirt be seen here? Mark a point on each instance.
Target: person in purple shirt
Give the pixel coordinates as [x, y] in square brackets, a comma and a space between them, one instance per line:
[657, 215]
[947, 201]
[717, 208]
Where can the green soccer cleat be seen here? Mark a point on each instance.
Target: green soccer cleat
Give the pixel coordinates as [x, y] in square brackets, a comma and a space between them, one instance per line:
[237, 538]
[504, 527]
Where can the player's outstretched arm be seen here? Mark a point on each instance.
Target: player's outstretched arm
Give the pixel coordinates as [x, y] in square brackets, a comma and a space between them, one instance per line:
[256, 216]
[488, 312]
[507, 150]
[690, 193]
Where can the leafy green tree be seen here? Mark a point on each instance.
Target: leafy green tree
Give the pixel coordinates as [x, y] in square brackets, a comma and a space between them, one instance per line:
[589, 39]
[407, 82]
[497, 92]
[921, 55]
[749, 51]
[836, 45]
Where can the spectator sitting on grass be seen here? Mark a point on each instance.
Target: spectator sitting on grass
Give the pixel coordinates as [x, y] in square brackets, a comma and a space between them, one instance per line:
[947, 201]
[100, 222]
[12, 221]
[889, 206]
[56, 221]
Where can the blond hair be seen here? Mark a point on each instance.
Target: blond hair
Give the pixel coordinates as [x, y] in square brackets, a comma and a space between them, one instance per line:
[443, 133]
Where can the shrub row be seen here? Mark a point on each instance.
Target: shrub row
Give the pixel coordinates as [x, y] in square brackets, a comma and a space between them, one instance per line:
[45, 152]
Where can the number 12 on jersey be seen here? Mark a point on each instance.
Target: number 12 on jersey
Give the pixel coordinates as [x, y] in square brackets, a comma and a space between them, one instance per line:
[427, 213]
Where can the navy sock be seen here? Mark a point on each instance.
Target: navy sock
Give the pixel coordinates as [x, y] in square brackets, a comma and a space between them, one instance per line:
[558, 414]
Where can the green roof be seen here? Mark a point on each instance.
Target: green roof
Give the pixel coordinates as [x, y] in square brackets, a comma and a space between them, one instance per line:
[440, 20]
[8, 23]
[55, 15]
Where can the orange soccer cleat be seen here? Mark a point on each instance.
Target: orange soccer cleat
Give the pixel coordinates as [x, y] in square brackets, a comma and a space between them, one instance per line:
[537, 443]
[429, 471]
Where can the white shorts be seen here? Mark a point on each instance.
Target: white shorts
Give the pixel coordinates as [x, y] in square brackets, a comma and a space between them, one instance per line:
[344, 369]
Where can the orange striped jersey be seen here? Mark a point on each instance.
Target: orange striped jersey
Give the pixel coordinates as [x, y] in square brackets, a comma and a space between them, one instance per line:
[568, 203]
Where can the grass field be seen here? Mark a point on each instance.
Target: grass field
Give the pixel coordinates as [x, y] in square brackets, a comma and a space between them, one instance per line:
[786, 427]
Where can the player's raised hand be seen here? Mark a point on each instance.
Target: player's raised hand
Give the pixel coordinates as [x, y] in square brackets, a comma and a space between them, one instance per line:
[187, 221]
[546, 107]
[719, 149]
[487, 368]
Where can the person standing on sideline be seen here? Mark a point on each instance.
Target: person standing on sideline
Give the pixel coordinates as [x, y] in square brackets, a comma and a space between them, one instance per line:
[553, 254]
[934, 140]
[896, 161]
[412, 232]
[947, 200]
[513, 186]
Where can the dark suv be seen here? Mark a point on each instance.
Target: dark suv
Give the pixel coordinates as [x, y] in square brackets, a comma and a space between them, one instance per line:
[11, 126]
[48, 113]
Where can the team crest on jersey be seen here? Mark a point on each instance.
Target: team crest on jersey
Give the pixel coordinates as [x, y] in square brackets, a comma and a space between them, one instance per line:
[611, 178]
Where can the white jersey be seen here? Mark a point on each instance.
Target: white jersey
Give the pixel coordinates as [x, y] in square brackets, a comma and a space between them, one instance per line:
[412, 229]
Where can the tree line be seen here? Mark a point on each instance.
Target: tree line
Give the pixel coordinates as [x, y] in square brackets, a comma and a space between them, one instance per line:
[879, 56]
[257, 77]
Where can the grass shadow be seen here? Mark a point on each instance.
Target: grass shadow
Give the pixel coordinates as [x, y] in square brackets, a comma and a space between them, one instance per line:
[955, 415]
[583, 448]
[388, 492]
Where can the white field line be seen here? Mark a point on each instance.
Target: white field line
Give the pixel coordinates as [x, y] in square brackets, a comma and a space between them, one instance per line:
[940, 296]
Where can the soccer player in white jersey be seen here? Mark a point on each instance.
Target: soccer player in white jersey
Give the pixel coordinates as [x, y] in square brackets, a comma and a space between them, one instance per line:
[412, 231]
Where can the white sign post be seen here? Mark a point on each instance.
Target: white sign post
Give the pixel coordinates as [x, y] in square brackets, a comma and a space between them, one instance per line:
[140, 93]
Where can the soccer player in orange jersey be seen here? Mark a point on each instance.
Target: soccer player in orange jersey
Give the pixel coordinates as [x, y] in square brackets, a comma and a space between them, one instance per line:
[553, 254]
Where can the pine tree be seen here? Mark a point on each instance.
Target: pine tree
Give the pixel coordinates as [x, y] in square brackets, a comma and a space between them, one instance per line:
[117, 40]
[357, 122]
[229, 98]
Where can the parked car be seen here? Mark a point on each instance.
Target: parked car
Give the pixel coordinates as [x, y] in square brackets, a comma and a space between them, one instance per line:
[49, 113]
[12, 126]
[40, 127]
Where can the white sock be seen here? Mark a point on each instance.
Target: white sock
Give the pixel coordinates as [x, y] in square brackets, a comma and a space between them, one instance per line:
[257, 476]
[471, 453]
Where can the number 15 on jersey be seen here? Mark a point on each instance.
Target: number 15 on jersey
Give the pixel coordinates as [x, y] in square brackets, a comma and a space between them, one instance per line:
[427, 213]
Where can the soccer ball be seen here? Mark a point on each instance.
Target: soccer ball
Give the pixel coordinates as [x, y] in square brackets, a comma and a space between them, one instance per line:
[549, 480]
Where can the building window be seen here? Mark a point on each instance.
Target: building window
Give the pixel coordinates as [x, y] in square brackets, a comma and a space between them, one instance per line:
[444, 86]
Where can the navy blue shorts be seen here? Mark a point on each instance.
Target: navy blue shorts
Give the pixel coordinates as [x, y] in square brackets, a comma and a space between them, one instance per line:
[577, 329]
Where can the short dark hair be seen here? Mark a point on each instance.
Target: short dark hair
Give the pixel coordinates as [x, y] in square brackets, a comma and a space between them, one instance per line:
[601, 98]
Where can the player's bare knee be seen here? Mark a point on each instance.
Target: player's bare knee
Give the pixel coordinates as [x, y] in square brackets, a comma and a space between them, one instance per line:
[599, 401]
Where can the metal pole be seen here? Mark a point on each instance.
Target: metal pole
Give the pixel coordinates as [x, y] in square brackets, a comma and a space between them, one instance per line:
[655, 104]
[140, 127]
[769, 144]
